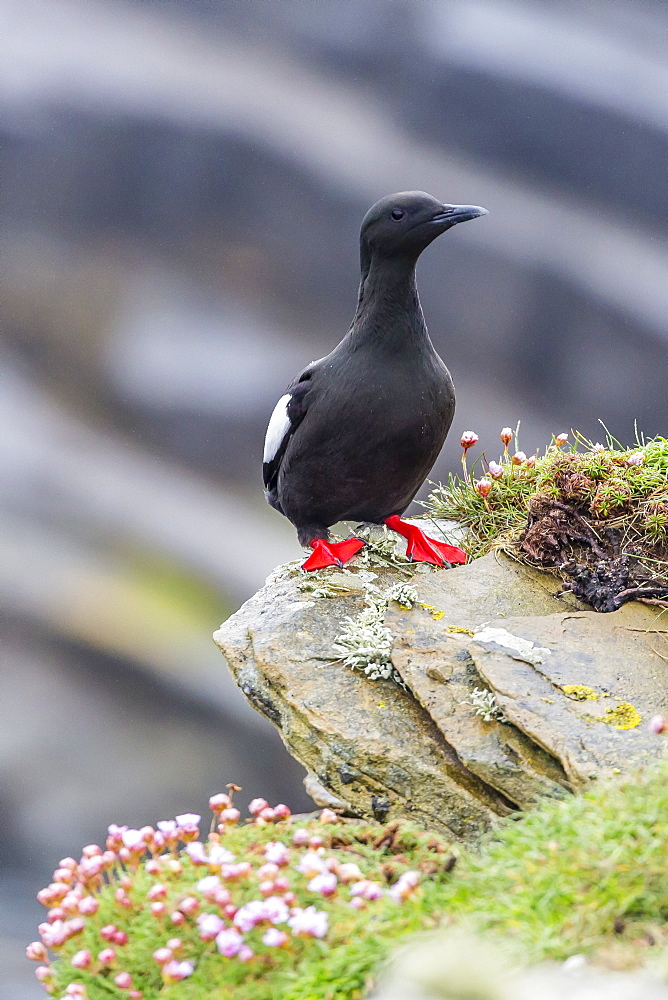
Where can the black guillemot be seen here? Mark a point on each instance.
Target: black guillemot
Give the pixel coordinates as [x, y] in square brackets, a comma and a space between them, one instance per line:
[355, 434]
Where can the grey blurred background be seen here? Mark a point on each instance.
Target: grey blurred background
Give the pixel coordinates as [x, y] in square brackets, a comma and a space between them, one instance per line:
[181, 187]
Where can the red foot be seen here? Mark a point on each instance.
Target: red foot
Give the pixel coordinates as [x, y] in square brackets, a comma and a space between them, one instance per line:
[331, 553]
[421, 548]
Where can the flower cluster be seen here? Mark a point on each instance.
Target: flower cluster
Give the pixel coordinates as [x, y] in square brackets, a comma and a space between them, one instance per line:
[242, 899]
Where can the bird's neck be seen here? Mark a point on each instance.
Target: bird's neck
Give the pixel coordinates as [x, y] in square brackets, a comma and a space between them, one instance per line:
[388, 308]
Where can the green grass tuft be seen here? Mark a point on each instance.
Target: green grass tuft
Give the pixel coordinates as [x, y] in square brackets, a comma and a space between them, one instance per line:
[631, 498]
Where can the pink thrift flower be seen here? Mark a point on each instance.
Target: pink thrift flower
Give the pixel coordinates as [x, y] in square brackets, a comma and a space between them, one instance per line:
[348, 872]
[88, 906]
[483, 487]
[44, 973]
[123, 980]
[133, 840]
[274, 938]
[54, 935]
[36, 951]
[76, 990]
[188, 820]
[636, 459]
[175, 971]
[561, 439]
[257, 911]
[64, 875]
[519, 458]
[270, 870]
[241, 870]
[177, 918]
[506, 435]
[245, 953]
[277, 853]
[91, 850]
[197, 853]
[209, 925]
[328, 816]
[221, 897]
[357, 903]
[228, 817]
[311, 864]
[325, 884]
[107, 932]
[163, 955]
[495, 470]
[229, 942]
[267, 815]
[219, 802]
[658, 724]
[308, 922]
[168, 828]
[219, 856]
[89, 868]
[404, 886]
[158, 909]
[367, 889]
[209, 886]
[301, 838]
[598, 448]
[256, 806]
[82, 959]
[107, 956]
[189, 906]
[157, 891]
[468, 439]
[316, 841]
[175, 944]
[120, 938]
[281, 811]
[115, 838]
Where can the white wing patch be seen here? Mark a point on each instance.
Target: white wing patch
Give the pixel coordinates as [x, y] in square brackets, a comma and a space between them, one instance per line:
[279, 425]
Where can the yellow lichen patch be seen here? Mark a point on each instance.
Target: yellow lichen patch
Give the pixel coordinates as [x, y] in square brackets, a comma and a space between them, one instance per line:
[434, 612]
[579, 692]
[550, 701]
[459, 630]
[623, 716]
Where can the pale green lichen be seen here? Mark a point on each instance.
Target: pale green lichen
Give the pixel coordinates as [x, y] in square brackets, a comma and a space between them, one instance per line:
[365, 642]
[485, 704]
[404, 595]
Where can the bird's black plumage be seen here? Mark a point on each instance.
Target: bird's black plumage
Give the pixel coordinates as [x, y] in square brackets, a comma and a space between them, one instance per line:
[356, 433]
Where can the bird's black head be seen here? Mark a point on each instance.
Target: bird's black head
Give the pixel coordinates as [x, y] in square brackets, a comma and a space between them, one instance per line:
[403, 224]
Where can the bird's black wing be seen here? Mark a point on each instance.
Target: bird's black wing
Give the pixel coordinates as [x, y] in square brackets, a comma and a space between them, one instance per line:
[286, 418]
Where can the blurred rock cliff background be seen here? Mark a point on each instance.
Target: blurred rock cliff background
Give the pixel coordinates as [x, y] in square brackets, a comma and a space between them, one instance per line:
[181, 187]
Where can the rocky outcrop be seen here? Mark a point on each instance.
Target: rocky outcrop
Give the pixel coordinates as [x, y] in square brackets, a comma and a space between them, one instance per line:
[503, 690]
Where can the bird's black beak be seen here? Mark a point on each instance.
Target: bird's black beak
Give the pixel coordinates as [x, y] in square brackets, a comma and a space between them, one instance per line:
[450, 215]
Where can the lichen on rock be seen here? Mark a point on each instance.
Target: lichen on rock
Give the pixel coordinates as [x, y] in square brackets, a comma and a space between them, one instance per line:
[401, 733]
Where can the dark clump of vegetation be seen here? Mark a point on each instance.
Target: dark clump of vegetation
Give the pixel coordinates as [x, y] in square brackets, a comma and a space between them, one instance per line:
[597, 515]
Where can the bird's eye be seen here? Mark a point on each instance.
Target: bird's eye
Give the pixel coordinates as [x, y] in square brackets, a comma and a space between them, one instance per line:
[397, 214]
